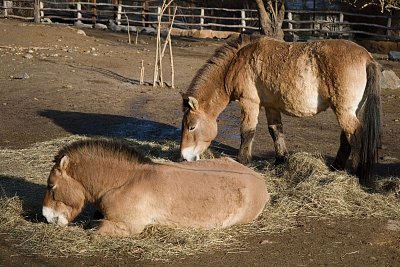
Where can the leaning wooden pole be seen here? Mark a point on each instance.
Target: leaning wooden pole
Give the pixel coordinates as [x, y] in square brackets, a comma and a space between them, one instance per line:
[155, 76]
[169, 32]
[128, 30]
[158, 76]
[172, 63]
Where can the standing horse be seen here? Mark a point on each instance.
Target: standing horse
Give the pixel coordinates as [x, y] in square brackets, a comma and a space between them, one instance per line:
[297, 79]
[132, 192]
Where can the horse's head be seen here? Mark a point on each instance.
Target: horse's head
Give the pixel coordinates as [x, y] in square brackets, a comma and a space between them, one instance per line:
[64, 198]
[198, 130]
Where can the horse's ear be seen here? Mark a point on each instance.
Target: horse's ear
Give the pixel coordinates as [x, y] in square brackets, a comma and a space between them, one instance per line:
[64, 163]
[193, 103]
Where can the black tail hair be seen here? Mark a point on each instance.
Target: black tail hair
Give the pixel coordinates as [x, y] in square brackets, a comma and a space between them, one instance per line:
[371, 132]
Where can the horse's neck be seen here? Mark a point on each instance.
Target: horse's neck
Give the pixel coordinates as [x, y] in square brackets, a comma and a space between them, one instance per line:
[215, 103]
[209, 90]
[99, 178]
[209, 87]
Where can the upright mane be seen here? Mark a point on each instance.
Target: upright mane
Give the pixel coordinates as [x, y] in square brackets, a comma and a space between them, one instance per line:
[220, 61]
[105, 148]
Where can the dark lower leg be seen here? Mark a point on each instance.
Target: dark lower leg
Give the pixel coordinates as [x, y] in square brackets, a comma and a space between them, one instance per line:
[276, 132]
[246, 137]
[343, 153]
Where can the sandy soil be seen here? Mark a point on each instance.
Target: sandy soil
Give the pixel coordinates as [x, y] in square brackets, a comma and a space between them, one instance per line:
[88, 85]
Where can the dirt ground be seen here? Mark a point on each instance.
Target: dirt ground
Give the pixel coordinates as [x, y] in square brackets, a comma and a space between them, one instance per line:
[55, 82]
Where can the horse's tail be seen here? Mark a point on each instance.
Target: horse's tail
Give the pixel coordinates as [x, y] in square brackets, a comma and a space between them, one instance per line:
[370, 133]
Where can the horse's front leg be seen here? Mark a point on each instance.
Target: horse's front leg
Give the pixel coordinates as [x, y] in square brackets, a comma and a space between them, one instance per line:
[275, 129]
[248, 124]
[111, 228]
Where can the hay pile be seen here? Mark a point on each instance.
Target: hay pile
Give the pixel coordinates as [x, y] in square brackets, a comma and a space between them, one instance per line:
[303, 187]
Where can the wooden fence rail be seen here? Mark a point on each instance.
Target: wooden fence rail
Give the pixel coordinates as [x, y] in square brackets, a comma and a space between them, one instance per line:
[297, 22]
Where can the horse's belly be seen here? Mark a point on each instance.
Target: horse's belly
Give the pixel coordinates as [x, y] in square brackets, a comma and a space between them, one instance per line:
[305, 105]
[302, 104]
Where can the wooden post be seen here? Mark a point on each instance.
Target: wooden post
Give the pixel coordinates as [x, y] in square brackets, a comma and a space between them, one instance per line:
[290, 24]
[341, 18]
[128, 30]
[156, 64]
[94, 11]
[41, 12]
[201, 18]
[7, 5]
[144, 13]
[36, 11]
[389, 25]
[119, 11]
[141, 81]
[243, 20]
[78, 11]
[171, 62]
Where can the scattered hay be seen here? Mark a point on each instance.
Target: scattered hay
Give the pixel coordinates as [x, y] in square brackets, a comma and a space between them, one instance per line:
[155, 243]
[313, 190]
[302, 187]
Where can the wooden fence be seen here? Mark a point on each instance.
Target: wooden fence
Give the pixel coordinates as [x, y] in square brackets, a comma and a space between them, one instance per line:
[297, 23]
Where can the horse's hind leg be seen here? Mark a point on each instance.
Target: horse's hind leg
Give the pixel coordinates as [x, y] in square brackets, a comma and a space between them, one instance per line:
[248, 124]
[343, 153]
[351, 126]
[275, 129]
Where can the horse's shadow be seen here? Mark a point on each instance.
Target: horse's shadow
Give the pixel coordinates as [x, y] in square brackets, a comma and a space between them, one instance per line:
[106, 125]
[30, 193]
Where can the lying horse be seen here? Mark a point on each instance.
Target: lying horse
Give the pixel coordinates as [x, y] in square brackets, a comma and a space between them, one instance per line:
[132, 192]
[297, 79]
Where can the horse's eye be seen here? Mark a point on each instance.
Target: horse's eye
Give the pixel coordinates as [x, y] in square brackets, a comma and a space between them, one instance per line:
[192, 127]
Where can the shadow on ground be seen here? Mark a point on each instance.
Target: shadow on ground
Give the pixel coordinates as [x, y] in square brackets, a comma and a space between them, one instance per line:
[106, 125]
[116, 126]
[30, 193]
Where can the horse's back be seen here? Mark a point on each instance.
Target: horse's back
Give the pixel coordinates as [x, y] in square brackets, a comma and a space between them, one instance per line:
[216, 193]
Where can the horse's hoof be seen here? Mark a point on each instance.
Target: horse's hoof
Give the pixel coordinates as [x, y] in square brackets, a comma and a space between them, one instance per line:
[335, 167]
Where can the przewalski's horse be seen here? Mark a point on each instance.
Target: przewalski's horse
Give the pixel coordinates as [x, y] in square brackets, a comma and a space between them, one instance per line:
[132, 192]
[297, 79]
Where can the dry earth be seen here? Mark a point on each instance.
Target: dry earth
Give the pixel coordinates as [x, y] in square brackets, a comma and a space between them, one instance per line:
[55, 82]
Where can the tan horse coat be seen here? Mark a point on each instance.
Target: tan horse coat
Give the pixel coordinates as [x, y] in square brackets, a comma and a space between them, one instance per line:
[133, 192]
[297, 79]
